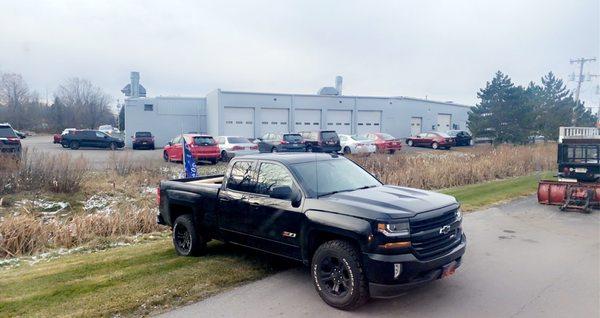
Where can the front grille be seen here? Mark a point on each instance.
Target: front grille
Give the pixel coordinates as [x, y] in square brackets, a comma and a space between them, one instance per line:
[427, 241]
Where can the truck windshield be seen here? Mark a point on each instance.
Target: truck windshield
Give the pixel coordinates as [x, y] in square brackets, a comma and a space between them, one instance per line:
[320, 178]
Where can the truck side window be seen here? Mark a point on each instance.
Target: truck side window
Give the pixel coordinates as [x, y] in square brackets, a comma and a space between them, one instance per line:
[270, 176]
[240, 177]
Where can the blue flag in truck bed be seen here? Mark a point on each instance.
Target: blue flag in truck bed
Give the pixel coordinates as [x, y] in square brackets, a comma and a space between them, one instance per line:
[189, 162]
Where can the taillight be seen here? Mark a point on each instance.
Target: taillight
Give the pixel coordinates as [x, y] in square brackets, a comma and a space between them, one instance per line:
[254, 147]
[237, 148]
[158, 195]
[13, 140]
[283, 142]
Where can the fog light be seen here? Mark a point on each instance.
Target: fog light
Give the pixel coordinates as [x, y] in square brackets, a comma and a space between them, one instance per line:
[397, 270]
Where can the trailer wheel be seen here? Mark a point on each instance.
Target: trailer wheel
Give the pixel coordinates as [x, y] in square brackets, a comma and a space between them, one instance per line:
[186, 240]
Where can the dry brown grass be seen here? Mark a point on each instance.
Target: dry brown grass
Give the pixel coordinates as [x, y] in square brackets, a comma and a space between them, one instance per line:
[38, 170]
[26, 234]
[444, 169]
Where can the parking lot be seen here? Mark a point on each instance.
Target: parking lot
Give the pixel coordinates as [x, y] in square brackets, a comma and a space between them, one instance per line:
[99, 158]
[523, 260]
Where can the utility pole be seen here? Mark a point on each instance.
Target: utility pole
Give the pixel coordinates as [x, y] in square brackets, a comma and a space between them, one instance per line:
[580, 79]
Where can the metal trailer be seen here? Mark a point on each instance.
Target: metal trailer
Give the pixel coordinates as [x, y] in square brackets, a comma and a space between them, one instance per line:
[578, 185]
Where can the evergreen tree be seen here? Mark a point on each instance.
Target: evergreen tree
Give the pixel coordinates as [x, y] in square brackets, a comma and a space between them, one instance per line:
[504, 113]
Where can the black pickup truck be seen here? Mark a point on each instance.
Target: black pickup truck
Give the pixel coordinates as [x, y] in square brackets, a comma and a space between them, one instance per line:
[360, 238]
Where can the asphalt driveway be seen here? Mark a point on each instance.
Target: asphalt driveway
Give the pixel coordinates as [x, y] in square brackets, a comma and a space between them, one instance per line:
[522, 260]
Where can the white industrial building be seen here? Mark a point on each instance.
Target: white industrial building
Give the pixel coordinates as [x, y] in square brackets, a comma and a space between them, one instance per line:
[252, 114]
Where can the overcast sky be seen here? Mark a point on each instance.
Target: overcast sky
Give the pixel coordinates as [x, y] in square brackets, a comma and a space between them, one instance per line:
[445, 50]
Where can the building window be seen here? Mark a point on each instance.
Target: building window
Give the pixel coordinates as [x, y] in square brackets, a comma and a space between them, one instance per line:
[148, 107]
[229, 122]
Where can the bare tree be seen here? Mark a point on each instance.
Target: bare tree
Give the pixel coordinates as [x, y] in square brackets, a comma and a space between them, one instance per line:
[14, 94]
[88, 105]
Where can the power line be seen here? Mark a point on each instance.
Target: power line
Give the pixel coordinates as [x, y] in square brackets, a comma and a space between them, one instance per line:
[580, 79]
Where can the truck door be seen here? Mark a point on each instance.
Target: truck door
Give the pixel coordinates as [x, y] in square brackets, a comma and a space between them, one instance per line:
[274, 224]
[233, 204]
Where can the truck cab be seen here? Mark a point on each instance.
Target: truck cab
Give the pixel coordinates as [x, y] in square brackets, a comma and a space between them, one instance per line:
[361, 238]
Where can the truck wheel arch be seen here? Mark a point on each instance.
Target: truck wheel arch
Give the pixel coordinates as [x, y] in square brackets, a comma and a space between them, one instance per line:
[320, 229]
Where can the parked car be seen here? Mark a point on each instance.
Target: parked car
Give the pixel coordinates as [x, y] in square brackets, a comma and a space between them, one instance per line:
[461, 137]
[10, 142]
[275, 142]
[431, 139]
[355, 144]
[232, 146]
[57, 138]
[143, 139]
[91, 138]
[321, 141]
[385, 142]
[360, 238]
[203, 148]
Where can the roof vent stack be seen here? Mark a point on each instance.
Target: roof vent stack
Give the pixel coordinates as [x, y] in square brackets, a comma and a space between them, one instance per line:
[134, 88]
[338, 84]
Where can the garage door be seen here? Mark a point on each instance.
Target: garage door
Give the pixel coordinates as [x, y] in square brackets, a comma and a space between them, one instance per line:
[368, 121]
[444, 122]
[274, 120]
[340, 121]
[239, 121]
[415, 125]
[307, 119]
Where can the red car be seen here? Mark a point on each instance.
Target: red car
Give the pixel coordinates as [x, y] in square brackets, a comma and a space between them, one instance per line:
[385, 142]
[203, 147]
[431, 139]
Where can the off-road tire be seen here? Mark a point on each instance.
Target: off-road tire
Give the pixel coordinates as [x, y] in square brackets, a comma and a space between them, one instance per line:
[186, 240]
[74, 145]
[274, 149]
[352, 273]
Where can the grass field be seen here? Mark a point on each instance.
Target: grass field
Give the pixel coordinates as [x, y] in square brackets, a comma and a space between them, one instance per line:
[476, 196]
[149, 277]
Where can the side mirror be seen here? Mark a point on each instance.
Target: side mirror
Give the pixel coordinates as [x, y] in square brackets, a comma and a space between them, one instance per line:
[287, 193]
[281, 192]
[170, 143]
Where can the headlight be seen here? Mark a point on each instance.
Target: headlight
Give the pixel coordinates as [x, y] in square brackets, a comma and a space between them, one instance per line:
[394, 229]
[458, 215]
